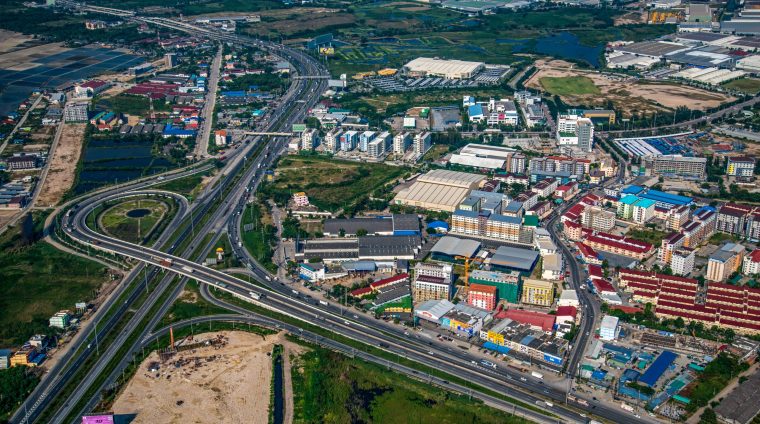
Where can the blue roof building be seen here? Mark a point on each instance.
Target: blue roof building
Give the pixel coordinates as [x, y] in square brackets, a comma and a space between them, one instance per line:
[632, 189]
[475, 111]
[658, 368]
[171, 131]
[666, 199]
[644, 203]
[239, 93]
[629, 199]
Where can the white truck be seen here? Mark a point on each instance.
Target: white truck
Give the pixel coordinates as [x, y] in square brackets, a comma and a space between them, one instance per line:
[187, 269]
[626, 406]
[323, 302]
[537, 375]
[254, 295]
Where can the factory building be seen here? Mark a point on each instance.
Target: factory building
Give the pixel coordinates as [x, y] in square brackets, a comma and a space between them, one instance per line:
[449, 69]
[439, 190]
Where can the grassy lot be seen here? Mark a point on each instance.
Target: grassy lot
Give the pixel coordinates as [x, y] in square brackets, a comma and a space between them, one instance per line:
[131, 105]
[648, 235]
[329, 387]
[330, 184]
[37, 280]
[719, 238]
[190, 304]
[746, 85]
[116, 222]
[260, 239]
[713, 379]
[436, 152]
[229, 259]
[188, 186]
[569, 86]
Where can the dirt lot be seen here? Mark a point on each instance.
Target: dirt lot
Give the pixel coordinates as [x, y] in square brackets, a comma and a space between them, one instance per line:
[628, 95]
[63, 165]
[228, 384]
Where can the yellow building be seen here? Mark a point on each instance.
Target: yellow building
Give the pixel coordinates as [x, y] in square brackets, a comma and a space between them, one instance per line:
[600, 114]
[538, 292]
[23, 357]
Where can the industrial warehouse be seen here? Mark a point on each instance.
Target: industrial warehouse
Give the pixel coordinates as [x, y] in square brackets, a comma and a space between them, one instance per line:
[439, 190]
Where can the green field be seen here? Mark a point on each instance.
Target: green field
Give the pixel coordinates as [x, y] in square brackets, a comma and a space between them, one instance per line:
[329, 387]
[117, 223]
[37, 280]
[331, 184]
[648, 235]
[746, 85]
[259, 241]
[130, 105]
[188, 186]
[190, 304]
[569, 86]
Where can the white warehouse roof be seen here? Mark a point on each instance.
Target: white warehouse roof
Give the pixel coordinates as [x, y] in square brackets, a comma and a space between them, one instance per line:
[444, 68]
[439, 190]
[476, 162]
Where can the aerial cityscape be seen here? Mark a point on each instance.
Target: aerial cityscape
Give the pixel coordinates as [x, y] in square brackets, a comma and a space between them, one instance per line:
[379, 211]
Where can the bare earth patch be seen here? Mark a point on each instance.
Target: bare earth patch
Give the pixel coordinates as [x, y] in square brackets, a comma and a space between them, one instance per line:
[63, 165]
[628, 95]
[213, 385]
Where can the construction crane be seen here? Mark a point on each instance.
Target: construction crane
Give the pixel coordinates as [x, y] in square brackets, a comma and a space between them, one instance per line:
[467, 260]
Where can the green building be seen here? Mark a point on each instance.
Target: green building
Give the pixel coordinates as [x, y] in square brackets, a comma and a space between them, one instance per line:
[507, 284]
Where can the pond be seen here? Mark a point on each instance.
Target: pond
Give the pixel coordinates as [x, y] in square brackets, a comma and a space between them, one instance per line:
[138, 213]
[562, 45]
[278, 409]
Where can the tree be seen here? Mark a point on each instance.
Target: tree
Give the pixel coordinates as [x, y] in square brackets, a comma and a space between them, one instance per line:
[27, 229]
[678, 323]
[361, 232]
[342, 233]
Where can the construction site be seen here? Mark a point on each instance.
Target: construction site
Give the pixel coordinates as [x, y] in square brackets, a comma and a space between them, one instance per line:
[213, 377]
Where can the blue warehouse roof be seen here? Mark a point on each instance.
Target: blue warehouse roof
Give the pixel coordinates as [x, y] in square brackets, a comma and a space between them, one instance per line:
[658, 368]
[661, 196]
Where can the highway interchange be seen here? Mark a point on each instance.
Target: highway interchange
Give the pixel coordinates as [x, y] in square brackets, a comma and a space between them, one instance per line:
[239, 179]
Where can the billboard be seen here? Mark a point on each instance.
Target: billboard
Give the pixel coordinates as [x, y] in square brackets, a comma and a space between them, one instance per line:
[327, 51]
[297, 128]
[97, 419]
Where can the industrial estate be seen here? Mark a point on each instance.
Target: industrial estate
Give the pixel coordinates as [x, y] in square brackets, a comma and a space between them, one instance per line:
[378, 211]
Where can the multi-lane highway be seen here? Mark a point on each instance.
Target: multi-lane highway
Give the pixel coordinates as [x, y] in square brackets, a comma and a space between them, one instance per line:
[245, 171]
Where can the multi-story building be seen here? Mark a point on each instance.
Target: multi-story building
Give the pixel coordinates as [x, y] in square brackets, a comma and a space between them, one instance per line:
[545, 188]
[507, 285]
[387, 140]
[724, 262]
[309, 139]
[348, 140]
[60, 319]
[682, 261]
[625, 206]
[620, 245]
[597, 219]
[727, 306]
[421, 143]
[740, 220]
[376, 148]
[538, 292]
[433, 270]
[300, 199]
[426, 287]
[5, 359]
[401, 142]
[609, 328]
[676, 166]
[700, 228]
[502, 112]
[740, 166]
[364, 139]
[482, 296]
[75, 112]
[528, 199]
[516, 163]
[643, 211]
[23, 357]
[566, 191]
[585, 131]
[676, 217]
[332, 141]
[552, 267]
[669, 244]
[751, 264]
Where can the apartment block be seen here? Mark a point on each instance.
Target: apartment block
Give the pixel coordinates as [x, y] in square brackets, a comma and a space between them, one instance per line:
[740, 166]
[508, 287]
[751, 265]
[597, 219]
[677, 166]
[538, 292]
[682, 261]
[482, 296]
[741, 220]
[620, 245]
[426, 287]
[422, 143]
[725, 262]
